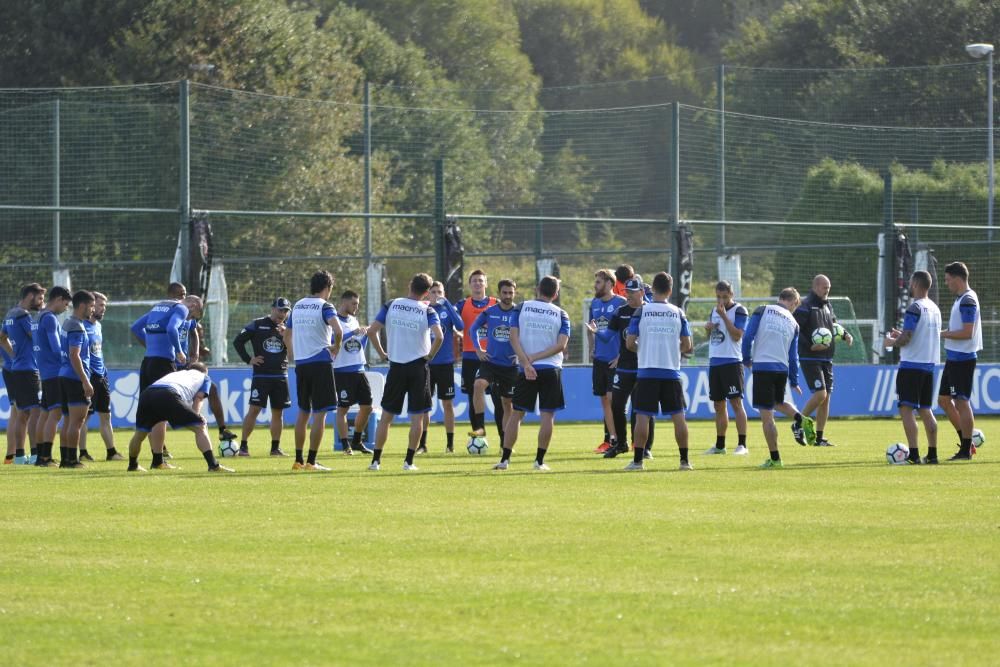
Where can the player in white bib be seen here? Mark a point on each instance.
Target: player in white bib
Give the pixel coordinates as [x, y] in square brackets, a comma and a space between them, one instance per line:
[414, 336]
[920, 351]
[725, 329]
[539, 334]
[962, 341]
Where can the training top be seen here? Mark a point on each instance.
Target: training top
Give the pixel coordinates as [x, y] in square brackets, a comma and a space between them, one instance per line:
[602, 312]
[450, 320]
[408, 328]
[73, 333]
[95, 334]
[659, 327]
[771, 342]
[265, 341]
[628, 361]
[497, 323]
[311, 335]
[351, 358]
[722, 349]
[923, 321]
[184, 335]
[814, 313]
[470, 309]
[186, 384]
[539, 325]
[160, 329]
[17, 324]
[963, 311]
[47, 345]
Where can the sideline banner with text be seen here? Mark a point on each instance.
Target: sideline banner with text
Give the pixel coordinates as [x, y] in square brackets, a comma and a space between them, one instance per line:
[858, 391]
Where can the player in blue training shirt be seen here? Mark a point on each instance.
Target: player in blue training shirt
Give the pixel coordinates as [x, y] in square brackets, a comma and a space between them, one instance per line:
[498, 362]
[74, 377]
[604, 351]
[100, 402]
[48, 356]
[443, 366]
[159, 332]
[962, 341]
[21, 374]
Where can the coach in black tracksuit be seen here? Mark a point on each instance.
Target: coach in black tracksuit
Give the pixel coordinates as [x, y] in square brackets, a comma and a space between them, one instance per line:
[270, 371]
[816, 361]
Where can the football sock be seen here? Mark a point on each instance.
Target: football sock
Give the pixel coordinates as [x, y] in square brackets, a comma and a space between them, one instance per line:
[244, 446]
[112, 452]
[298, 456]
[478, 421]
[274, 444]
[720, 442]
[540, 455]
[914, 454]
[157, 458]
[19, 452]
[742, 439]
[377, 456]
[34, 451]
[959, 431]
[356, 439]
[345, 444]
[637, 454]
[684, 453]
[932, 452]
[409, 455]
[210, 459]
[64, 454]
[83, 452]
[966, 446]
[312, 456]
[776, 455]
[505, 456]
[819, 436]
[607, 436]
[423, 438]
[133, 463]
[451, 439]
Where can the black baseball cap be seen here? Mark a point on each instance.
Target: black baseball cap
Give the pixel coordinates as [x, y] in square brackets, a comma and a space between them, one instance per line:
[633, 285]
[281, 303]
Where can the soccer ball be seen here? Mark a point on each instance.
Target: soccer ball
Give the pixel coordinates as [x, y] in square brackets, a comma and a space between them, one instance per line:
[897, 454]
[477, 445]
[838, 331]
[822, 336]
[229, 448]
[978, 438]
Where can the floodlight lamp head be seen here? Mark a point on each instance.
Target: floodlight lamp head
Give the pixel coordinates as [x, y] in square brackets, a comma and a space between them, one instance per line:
[979, 50]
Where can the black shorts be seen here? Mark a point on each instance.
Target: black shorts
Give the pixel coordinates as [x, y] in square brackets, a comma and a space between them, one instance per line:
[101, 400]
[601, 377]
[23, 388]
[725, 382]
[274, 389]
[72, 394]
[6, 384]
[547, 389]
[410, 381]
[915, 388]
[316, 387]
[501, 378]
[818, 375]
[443, 381]
[622, 384]
[159, 404]
[152, 369]
[956, 380]
[470, 371]
[769, 389]
[353, 389]
[658, 396]
[51, 394]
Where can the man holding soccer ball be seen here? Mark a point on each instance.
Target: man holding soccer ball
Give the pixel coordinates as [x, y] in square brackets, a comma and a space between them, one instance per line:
[816, 348]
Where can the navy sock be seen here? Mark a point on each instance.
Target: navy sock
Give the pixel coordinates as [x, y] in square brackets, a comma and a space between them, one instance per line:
[540, 455]
[409, 455]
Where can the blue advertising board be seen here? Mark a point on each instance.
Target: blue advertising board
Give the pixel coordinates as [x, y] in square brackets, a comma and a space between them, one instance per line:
[858, 391]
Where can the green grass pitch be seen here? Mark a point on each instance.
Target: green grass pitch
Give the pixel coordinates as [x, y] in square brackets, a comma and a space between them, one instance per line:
[837, 559]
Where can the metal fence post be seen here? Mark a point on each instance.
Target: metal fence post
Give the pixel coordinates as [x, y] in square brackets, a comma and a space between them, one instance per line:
[56, 187]
[889, 264]
[721, 90]
[439, 220]
[185, 178]
[368, 179]
[675, 191]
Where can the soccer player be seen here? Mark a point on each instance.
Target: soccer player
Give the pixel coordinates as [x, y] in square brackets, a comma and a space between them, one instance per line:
[443, 366]
[725, 329]
[920, 350]
[623, 274]
[100, 402]
[269, 362]
[159, 332]
[539, 334]
[470, 308]
[962, 340]
[349, 371]
[414, 336]
[313, 336]
[5, 352]
[626, 366]
[48, 356]
[498, 362]
[773, 356]
[190, 335]
[74, 377]
[604, 351]
[22, 379]
[175, 398]
[817, 360]
[659, 333]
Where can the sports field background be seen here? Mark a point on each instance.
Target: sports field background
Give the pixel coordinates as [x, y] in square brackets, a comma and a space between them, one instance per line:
[838, 558]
